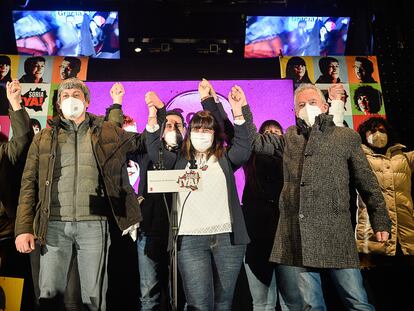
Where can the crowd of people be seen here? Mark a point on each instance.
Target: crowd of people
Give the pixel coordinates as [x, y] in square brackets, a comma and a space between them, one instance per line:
[66, 188]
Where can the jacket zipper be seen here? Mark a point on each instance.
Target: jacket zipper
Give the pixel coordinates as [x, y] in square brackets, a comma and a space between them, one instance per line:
[75, 177]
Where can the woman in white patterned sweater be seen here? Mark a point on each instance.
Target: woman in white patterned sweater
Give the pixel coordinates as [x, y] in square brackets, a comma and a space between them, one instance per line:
[212, 235]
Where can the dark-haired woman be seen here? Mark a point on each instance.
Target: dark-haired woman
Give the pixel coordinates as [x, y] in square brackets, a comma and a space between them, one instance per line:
[394, 259]
[263, 184]
[5, 71]
[296, 70]
[212, 235]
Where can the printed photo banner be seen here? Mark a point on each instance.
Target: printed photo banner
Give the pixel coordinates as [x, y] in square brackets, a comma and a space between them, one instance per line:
[39, 77]
[359, 74]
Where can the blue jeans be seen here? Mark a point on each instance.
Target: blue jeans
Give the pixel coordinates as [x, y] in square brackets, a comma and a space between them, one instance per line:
[287, 279]
[153, 276]
[264, 296]
[348, 283]
[91, 239]
[209, 266]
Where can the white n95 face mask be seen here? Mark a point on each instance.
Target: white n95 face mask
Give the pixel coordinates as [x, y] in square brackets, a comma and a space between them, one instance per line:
[378, 139]
[309, 113]
[72, 108]
[201, 141]
[173, 138]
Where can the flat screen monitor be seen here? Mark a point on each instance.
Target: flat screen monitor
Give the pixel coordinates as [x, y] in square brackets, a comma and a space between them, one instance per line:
[67, 33]
[272, 36]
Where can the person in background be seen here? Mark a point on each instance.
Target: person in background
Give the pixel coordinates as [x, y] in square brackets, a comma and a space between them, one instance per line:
[367, 99]
[35, 125]
[86, 184]
[315, 234]
[296, 70]
[130, 125]
[393, 260]
[263, 184]
[5, 71]
[212, 241]
[363, 69]
[34, 68]
[12, 159]
[298, 40]
[70, 67]
[329, 67]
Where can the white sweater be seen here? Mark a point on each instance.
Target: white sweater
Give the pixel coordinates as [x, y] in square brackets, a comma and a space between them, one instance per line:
[206, 211]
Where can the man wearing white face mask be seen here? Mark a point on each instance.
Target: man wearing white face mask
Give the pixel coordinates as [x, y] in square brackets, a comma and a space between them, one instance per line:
[153, 258]
[394, 260]
[73, 182]
[315, 233]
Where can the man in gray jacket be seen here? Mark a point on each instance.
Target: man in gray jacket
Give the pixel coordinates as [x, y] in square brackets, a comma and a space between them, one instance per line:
[315, 233]
[75, 179]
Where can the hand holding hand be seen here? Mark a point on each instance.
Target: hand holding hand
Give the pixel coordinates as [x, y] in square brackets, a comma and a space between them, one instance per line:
[117, 93]
[204, 89]
[336, 91]
[152, 99]
[14, 94]
[237, 100]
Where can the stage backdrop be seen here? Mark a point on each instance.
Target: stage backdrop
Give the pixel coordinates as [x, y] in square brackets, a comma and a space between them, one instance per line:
[268, 99]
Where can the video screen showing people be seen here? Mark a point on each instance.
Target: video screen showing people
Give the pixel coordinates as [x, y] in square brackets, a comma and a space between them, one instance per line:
[67, 33]
[272, 36]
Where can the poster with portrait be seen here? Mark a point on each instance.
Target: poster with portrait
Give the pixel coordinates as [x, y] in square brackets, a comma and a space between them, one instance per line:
[359, 75]
[36, 74]
[35, 69]
[9, 65]
[69, 67]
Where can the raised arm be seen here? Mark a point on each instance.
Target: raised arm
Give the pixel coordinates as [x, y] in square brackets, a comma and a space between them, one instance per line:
[240, 149]
[114, 113]
[210, 102]
[336, 94]
[261, 143]
[20, 123]
[154, 146]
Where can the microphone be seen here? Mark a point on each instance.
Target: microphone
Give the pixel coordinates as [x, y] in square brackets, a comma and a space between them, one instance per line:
[159, 165]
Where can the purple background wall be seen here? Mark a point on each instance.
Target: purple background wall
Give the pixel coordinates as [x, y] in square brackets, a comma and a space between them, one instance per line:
[268, 99]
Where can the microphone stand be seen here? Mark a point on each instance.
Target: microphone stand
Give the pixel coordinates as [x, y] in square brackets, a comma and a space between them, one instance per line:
[174, 231]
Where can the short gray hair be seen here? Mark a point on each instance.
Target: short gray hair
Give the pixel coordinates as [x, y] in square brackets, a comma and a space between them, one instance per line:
[73, 83]
[308, 86]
